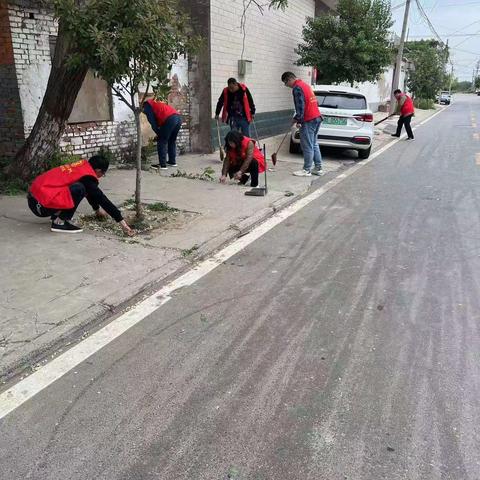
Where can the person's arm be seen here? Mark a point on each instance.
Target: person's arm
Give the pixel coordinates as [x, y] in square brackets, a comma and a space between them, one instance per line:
[219, 106]
[399, 105]
[250, 102]
[226, 166]
[98, 199]
[248, 159]
[299, 100]
[148, 111]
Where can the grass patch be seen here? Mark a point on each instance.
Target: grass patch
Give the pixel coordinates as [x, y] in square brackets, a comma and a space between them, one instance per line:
[208, 175]
[189, 251]
[161, 207]
[424, 103]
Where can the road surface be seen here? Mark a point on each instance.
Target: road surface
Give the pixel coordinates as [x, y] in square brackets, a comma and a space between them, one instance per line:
[343, 344]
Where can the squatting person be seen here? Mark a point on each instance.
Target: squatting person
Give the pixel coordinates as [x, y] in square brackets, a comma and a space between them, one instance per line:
[243, 159]
[57, 193]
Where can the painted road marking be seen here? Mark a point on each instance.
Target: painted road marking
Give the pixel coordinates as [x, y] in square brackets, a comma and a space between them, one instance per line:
[476, 136]
[28, 387]
[477, 159]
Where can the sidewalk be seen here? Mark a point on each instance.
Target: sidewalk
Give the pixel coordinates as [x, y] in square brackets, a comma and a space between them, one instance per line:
[57, 287]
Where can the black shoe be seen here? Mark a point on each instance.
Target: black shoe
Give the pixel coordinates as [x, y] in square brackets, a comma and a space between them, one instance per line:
[66, 227]
[411, 138]
[395, 135]
[171, 164]
[244, 179]
[157, 166]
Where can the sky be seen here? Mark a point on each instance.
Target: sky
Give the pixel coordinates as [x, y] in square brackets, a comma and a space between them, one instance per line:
[457, 21]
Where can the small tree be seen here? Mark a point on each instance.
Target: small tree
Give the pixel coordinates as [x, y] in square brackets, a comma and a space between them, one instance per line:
[130, 44]
[430, 58]
[352, 45]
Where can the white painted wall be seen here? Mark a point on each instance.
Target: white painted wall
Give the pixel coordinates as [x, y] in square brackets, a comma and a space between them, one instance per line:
[270, 44]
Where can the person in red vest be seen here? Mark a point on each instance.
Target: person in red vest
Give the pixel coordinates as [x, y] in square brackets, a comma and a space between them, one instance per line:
[243, 160]
[236, 101]
[57, 193]
[308, 118]
[166, 123]
[406, 109]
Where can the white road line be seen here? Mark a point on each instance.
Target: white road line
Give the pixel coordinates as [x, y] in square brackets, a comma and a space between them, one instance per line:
[27, 388]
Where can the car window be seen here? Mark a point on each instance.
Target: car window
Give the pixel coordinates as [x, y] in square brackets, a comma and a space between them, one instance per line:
[346, 101]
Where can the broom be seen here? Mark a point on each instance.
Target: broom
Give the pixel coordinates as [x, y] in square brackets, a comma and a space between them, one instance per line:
[274, 155]
[222, 151]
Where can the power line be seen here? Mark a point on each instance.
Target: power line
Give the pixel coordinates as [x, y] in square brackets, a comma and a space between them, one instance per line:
[428, 22]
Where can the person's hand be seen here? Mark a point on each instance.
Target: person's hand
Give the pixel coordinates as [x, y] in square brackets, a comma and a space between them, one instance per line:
[238, 175]
[298, 125]
[101, 214]
[294, 121]
[126, 229]
[223, 179]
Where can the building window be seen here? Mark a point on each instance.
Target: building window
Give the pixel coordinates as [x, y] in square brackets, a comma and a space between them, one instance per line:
[94, 100]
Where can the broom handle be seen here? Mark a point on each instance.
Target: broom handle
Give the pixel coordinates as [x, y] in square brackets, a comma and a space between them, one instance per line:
[281, 143]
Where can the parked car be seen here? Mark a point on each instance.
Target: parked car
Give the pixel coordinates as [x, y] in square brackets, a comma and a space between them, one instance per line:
[444, 98]
[347, 121]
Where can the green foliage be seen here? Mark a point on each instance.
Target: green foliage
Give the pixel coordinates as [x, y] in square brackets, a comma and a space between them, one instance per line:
[477, 82]
[424, 103]
[161, 207]
[463, 86]
[128, 43]
[107, 153]
[430, 59]
[351, 46]
[207, 175]
[61, 158]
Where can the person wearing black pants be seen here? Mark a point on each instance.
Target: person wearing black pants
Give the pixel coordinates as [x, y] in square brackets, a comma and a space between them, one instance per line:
[404, 121]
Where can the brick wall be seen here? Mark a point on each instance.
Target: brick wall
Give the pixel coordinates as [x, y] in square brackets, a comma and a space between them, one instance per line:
[31, 31]
[270, 44]
[11, 121]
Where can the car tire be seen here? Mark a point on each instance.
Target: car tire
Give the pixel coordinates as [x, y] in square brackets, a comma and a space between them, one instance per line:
[364, 154]
[294, 147]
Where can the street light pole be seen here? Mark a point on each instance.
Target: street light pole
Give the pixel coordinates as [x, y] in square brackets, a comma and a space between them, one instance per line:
[398, 64]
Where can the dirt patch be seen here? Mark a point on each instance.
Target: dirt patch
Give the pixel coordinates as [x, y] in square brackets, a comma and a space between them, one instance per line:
[157, 217]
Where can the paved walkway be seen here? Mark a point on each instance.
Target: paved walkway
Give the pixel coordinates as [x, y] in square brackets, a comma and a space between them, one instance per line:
[56, 288]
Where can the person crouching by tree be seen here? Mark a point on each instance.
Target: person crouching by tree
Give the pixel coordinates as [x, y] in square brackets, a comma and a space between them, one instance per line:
[166, 123]
[237, 104]
[243, 159]
[57, 193]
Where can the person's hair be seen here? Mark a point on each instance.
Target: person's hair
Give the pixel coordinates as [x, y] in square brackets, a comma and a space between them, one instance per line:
[288, 76]
[232, 81]
[397, 91]
[236, 138]
[99, 162]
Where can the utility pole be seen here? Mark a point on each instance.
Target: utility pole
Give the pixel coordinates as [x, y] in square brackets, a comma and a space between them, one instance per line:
[398, 64]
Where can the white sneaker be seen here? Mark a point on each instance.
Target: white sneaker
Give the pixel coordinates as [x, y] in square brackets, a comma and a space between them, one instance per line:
[318, 171]
[302, 173]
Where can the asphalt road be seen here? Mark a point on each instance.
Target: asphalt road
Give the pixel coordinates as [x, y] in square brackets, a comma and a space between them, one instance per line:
[344, 344]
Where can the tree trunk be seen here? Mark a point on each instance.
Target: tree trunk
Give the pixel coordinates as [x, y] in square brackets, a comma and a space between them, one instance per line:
[138, 183]
[60, 95]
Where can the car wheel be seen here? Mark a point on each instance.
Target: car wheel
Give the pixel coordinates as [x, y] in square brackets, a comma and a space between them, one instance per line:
[294, 147]
[364, 154]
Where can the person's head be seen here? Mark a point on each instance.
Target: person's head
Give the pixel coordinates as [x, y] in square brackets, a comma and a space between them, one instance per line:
[100, 164]
[288, 79]
[397, 93]
[233, 85]
[233, 140]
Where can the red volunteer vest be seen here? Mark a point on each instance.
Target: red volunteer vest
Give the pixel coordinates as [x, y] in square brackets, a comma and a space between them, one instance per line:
[408, 107]
[161, 110]
[257, 155]
[50, 189]
[246, 105]
[311, 105]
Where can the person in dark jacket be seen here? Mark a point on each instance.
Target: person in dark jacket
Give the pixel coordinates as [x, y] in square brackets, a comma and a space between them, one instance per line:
[57, 193]
[237, 107]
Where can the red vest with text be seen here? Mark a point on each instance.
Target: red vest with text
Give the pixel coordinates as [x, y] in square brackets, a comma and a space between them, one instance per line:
[257, 155]
[161, 110]
[246, 104]
[311, 104]
[407, 108]
[50, 189]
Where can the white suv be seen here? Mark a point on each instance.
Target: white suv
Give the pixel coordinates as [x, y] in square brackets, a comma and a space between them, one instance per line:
[347, 121]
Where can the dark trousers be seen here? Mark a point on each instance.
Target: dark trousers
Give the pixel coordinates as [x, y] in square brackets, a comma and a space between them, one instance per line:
[252, 170]
[241, 124]
[167, 140]
[77, 191]
[404, 121]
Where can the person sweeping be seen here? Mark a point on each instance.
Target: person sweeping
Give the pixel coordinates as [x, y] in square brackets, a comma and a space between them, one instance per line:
[243, 159]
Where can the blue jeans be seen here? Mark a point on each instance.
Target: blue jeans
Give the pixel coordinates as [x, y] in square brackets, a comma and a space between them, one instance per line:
[167, 138]
[241, 124]
[309, 144]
